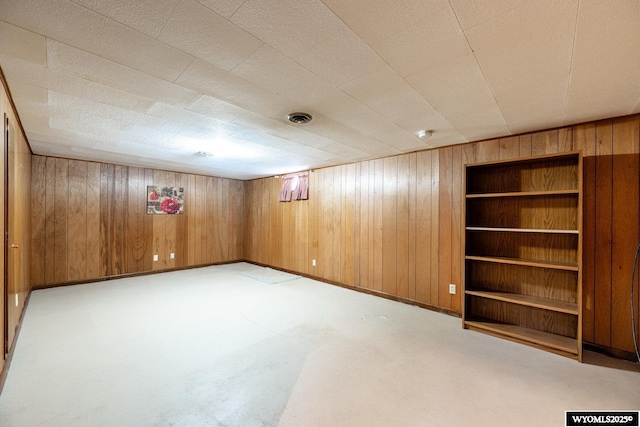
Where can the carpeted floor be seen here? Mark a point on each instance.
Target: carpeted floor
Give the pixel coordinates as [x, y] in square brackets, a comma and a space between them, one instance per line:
[213, 347]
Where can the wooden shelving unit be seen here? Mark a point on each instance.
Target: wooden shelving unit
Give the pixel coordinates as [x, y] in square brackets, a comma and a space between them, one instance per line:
[523, 251]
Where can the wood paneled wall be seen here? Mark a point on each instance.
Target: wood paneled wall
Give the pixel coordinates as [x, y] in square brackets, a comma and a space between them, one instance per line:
[19, 185]
[394, 225]
[89, 221]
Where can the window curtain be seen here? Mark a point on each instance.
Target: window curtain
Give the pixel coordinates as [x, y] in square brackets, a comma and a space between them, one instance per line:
[302, 189]
[299, 192]
[285, 189]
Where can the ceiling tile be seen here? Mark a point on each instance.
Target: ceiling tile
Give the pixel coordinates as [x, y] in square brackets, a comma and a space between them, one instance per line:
[59, 19]
[204, 34]
[474, 12]
[66, 59]
[532, 64]
[224, 8]
[270, 69]
[341, 58]
[141, 52]
[608, 33]
[117, 98]
[375, 20]
[147, 16]
[22, 44]
[315, 94]
[174, 114]
[27, 92]
[408, 53]
[458, 90]
[390, 95]
[290, 26]
[214, 107]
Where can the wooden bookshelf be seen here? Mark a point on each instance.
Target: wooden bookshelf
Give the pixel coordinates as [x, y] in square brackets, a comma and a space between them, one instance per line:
[523, 255]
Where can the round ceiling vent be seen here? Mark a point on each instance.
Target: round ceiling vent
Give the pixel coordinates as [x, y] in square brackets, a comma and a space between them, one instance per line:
[299, 118]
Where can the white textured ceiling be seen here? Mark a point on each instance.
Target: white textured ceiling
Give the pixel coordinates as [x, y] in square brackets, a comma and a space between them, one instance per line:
[152, 82]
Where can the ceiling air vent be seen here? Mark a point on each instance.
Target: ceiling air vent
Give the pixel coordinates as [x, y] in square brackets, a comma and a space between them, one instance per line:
[299, 118]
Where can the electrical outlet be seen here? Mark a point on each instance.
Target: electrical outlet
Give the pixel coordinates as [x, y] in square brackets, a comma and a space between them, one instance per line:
[155, 257]
[313, 262]
[452, 289]
[172, 255]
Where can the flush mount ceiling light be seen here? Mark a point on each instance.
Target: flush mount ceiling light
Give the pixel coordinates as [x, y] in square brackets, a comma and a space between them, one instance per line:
[424, 134]
[299, 118]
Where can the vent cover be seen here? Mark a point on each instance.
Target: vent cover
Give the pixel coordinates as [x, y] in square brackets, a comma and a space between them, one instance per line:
[299, 118]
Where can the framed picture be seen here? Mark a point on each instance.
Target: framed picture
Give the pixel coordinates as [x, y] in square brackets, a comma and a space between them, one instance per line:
[164, 200]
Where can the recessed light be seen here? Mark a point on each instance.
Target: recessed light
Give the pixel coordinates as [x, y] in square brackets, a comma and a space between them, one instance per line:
[424, 134]
[205, 154]
[299, 118]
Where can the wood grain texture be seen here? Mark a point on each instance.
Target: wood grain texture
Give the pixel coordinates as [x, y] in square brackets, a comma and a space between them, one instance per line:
[93, 221]
[626, 179]
[604, 239]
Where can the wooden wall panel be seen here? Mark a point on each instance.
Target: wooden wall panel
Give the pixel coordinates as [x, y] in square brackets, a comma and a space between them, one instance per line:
[94, 222]
[604, 242]
[60, 209]
[626, 180]
[585, 141]
[38, 219]
[389, 226]
[77, 221]
[405, 222]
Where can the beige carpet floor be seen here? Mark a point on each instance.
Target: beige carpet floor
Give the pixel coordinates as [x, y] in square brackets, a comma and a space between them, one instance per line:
[212, 347]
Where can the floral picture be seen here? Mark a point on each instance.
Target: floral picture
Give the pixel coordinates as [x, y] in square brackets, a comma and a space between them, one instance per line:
[164, 200]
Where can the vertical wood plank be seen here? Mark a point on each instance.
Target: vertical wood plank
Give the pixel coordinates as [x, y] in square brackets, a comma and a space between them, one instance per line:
[38, 219]
[457, 204]
[435, 225]
[412, 226]
[61, 222]
[378, 223]
[446, 225]
[525, 145]
[424, 193]
[348, 230]
[565, 139]
[604, 202]
[147, 226]
[106, 200]
[131, 235]
[389, 226]
[93, 220]
[545, 142]
[365, 225]
[77, 221]
[357, 218]
[585, 140]
[170, 226]
[50, 217]
[509, 148]
[488, 150]
[626, 178]
[402, 227]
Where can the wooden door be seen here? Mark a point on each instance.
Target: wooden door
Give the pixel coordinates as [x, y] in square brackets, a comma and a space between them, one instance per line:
[14, 236]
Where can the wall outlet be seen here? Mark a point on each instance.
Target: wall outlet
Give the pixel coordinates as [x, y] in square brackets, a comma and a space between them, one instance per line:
[452, 289]
[172, 255]
[16, 300]
[155, 257]
[313, 262]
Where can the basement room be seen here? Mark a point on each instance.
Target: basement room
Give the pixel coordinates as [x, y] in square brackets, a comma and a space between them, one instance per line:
[314, 213]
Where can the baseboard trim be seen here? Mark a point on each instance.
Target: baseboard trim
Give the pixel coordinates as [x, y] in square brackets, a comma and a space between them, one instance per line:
[611, 352]
[7, 362]
[128, 275]
[366, 291]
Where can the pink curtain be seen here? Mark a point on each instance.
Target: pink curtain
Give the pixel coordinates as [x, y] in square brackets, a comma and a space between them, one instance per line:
[285, 189]
[302, 189]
